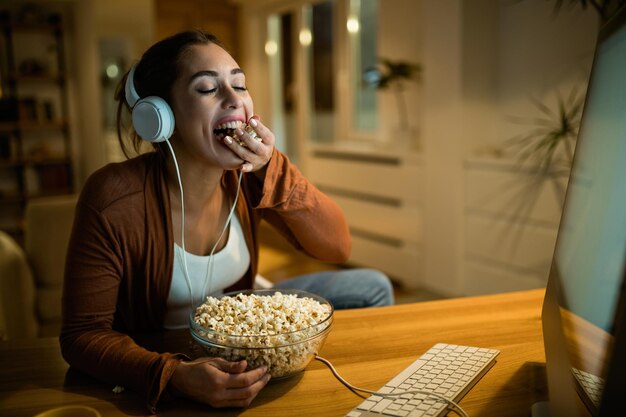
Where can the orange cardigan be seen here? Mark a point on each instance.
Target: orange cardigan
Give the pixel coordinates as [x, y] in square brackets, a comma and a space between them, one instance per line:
[120, 259]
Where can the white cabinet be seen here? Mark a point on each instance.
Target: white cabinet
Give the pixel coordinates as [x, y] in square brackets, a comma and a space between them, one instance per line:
[379, 191]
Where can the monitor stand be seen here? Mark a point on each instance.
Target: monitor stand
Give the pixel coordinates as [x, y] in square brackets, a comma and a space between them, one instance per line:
[540, 409]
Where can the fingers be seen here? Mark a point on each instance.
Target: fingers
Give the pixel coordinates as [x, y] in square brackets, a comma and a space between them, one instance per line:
[255, 154]
[261, 130]
[243, 396]
[220, 383]
[247, 167]
[246, 379]
[239, 389]
[229, 367]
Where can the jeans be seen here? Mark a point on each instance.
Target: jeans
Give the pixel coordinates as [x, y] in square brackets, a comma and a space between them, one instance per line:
[350, 288]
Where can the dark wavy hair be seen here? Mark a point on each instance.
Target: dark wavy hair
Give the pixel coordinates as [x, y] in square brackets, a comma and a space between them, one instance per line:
[154, 75]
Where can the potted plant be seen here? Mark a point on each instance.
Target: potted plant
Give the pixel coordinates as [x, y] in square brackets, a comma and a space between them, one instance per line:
[393, 75]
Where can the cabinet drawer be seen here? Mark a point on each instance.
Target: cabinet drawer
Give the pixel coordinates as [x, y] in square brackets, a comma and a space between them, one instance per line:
[384, 178]
[401, 223]
[402, 263]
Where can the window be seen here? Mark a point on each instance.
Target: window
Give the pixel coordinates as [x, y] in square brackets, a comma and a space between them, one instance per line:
[317, 55]
[362, 30]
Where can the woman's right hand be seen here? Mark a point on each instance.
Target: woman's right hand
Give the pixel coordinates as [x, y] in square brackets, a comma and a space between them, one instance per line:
[218, 382]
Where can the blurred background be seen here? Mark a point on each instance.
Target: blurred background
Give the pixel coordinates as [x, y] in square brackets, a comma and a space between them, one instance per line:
[444, 128]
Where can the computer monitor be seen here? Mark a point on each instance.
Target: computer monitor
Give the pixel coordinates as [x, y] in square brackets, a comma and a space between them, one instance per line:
[584, 310]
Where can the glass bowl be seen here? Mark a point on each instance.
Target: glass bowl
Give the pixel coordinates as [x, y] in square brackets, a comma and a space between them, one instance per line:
[285, 353]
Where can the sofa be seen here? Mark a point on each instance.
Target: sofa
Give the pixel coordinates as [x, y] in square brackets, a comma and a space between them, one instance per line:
[31, 277]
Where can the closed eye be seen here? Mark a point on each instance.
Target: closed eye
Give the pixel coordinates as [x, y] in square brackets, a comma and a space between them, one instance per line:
[207, 91]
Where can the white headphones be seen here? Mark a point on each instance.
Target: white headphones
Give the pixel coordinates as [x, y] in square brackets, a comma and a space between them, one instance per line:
[153, 118]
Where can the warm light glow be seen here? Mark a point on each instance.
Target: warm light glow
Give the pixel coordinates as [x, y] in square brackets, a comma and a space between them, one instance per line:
[305, 37]
[271, 48]
[112, 70]
[353, 25]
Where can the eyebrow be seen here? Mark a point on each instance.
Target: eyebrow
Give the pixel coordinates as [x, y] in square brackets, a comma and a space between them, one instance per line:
[211, 73]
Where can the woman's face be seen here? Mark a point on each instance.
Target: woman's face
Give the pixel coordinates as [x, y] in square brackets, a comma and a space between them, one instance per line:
[208, 99]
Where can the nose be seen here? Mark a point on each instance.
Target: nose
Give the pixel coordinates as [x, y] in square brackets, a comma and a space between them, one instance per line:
[231, 99]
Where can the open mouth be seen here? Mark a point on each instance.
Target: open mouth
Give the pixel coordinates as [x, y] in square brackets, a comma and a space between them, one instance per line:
[229, 129]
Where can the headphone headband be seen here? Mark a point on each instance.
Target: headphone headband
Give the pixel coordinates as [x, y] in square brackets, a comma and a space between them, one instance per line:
[132, 97]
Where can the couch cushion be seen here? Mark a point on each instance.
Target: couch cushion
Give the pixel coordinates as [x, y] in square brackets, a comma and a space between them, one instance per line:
[48, 225]
[49, 304]
[17, 292]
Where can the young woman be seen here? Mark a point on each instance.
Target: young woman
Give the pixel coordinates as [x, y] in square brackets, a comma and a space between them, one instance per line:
[154, 235]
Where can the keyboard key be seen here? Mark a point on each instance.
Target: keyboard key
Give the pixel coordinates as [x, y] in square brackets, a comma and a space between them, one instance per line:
[366, 405]
[381, 405]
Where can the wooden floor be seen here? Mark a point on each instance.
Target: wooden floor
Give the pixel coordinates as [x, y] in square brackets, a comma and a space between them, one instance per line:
[278, 260]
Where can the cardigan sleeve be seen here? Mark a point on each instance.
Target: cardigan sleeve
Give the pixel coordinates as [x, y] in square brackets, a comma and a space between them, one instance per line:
[309, 219]
[89, 341]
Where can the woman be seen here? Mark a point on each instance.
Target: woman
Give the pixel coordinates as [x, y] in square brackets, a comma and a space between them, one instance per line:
[157, 233]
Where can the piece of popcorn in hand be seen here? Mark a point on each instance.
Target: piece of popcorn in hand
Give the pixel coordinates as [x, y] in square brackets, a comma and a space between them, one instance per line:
[249, 130]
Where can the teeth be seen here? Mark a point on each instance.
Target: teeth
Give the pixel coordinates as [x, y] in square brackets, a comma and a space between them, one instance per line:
[230, 125]
[234, 125]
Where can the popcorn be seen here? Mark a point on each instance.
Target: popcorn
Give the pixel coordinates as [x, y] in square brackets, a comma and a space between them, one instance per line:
[281, 331]
[250, 131]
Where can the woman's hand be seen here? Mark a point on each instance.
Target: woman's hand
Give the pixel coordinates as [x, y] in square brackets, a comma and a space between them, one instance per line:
[218, 382]
[256, 154]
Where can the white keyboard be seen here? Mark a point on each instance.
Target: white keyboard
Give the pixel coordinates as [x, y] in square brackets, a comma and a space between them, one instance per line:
[592, 384]
[448, 370]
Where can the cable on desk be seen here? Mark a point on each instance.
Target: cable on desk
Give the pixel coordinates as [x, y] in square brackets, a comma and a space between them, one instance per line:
[451, 404]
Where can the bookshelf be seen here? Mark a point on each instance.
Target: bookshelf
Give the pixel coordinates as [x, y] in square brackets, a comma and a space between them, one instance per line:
[35, 141]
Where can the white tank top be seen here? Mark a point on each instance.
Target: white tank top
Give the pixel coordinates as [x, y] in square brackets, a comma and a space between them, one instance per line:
[228, 266]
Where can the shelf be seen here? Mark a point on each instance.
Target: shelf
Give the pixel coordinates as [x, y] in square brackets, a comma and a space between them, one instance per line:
[31, 27]
[11, 198]
[43, 78]
[6, 164]
[32, 126]
[48, 193]
[13, 230]
[34, 162]
[36, 143]
[47, 161]
[8, 126]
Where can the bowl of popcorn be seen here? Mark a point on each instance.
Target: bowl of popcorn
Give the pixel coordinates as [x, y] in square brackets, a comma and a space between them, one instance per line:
[281, 329]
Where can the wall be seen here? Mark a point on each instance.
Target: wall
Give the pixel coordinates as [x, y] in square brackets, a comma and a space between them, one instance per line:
[443, 147]
[484, 60]
[543, 62]
[219, 17]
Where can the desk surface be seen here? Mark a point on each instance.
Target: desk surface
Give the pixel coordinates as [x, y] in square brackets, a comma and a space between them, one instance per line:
[368, 347]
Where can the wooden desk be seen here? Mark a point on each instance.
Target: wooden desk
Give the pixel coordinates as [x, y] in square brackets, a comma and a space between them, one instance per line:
[368, 347]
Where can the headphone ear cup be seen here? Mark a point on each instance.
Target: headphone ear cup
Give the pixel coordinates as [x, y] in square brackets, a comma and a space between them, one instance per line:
[153, 119]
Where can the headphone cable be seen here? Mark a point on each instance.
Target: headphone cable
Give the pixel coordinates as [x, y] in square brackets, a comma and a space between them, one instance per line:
[182, 226]
[182, 223]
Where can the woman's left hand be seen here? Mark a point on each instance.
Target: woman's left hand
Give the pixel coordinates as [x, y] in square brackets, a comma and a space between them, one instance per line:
[256, 153]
